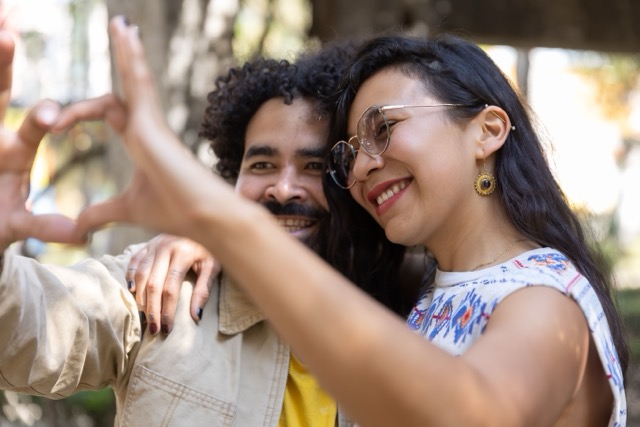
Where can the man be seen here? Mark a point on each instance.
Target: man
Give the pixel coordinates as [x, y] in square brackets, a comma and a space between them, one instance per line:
[77, 328]
[272, 152]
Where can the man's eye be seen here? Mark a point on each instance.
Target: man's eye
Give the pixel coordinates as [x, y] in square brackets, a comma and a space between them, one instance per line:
[314, 165]
[261, 166]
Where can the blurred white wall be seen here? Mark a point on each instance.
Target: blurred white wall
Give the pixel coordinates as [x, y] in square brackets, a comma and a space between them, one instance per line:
[44, 46]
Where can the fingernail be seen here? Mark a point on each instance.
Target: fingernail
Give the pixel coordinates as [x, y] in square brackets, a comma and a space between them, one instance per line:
[153, 329]
[129, 284]
[199, 313]
[165, 329]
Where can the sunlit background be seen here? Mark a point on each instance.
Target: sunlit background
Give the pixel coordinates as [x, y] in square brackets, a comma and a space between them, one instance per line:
[587, 102]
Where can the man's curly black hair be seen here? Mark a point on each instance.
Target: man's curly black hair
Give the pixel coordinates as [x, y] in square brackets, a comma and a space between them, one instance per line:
[239, 94]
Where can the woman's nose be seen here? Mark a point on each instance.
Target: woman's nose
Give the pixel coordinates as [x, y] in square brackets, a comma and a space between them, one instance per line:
[364, 164]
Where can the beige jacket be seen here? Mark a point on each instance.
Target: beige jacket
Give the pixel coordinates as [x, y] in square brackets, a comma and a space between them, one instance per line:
[66, 329]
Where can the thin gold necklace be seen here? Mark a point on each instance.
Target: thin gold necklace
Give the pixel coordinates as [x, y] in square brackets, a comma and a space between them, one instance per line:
[499, 255]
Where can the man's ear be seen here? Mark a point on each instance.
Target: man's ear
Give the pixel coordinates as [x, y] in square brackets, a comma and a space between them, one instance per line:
[496, 126]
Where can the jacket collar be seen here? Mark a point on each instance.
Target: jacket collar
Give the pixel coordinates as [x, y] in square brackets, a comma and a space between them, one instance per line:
[236, 311]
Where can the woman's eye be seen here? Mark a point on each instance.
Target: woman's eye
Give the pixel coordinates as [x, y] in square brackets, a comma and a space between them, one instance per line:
[382, 129]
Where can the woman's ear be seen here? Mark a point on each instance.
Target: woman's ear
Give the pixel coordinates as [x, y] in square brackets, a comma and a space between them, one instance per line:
[496, 126]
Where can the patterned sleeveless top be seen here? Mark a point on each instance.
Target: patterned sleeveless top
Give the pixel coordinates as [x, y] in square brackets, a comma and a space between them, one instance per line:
[454, 312]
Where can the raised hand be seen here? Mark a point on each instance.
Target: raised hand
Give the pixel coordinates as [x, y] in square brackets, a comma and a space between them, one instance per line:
[158, 269]
[164, 194]
[17, 153]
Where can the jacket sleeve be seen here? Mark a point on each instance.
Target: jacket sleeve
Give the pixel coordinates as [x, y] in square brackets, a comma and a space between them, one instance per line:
[65, 329]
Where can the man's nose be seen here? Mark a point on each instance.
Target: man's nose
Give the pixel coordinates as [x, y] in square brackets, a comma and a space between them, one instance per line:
[287, 187]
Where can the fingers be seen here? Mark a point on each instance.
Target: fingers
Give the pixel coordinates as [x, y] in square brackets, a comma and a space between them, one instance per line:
[98, 215]
[158, 270]
[137, 281]
[34, 127]
[19, 148]
[134, 266]
[170, 293]
[47, 227]
[136, 79]
[207, 272]
[150, 278]
[168, 272]
[7, 47]
[108, 108]
[119, 30]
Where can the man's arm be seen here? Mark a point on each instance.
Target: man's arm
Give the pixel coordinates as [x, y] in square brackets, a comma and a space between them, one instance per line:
[65, 329]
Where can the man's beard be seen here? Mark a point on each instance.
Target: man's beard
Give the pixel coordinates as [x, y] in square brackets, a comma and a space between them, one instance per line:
[301, 210]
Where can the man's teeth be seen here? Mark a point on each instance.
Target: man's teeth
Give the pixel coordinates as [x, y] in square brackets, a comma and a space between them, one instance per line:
[390, 192]
[294, 224]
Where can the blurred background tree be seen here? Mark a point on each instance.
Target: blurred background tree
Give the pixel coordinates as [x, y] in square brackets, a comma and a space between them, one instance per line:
[63, 54]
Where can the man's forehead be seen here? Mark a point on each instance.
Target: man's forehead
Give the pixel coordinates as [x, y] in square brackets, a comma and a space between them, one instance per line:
[278, 128]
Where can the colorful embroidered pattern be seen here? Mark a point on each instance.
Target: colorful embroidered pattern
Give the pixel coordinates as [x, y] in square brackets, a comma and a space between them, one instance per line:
[454, 313]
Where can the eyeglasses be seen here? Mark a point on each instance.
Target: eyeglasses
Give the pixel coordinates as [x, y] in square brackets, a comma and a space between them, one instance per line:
[372, 135]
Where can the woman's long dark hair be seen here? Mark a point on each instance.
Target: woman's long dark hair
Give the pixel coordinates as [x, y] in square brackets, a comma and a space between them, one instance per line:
[360, 250]
[457, 71]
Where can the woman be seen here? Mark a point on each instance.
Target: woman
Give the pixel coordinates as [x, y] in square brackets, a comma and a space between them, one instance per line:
[445, 115]
[448, 158]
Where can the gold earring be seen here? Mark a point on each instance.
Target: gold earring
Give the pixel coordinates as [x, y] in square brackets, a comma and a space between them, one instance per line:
[485, 182]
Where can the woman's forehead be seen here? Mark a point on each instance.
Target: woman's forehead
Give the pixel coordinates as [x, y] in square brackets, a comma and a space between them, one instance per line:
[389, 86]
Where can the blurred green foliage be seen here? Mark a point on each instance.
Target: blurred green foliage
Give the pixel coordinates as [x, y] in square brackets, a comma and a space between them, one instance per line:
[629, 305]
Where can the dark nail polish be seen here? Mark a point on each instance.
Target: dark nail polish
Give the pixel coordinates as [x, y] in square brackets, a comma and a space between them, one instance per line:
[153, 329]
[165, 329]
[199, 313]
[129, 284]
[126, 21]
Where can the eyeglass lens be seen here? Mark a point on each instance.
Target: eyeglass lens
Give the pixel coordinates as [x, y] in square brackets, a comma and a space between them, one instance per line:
[372, 135]
[373, 131]
[341, 160]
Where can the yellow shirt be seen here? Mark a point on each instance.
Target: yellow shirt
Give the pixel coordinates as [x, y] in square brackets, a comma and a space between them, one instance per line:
[305, 403]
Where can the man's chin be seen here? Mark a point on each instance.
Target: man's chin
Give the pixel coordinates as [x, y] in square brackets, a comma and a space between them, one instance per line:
[306, 236]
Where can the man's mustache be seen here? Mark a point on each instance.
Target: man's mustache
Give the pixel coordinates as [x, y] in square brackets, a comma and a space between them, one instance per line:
[294, 209]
